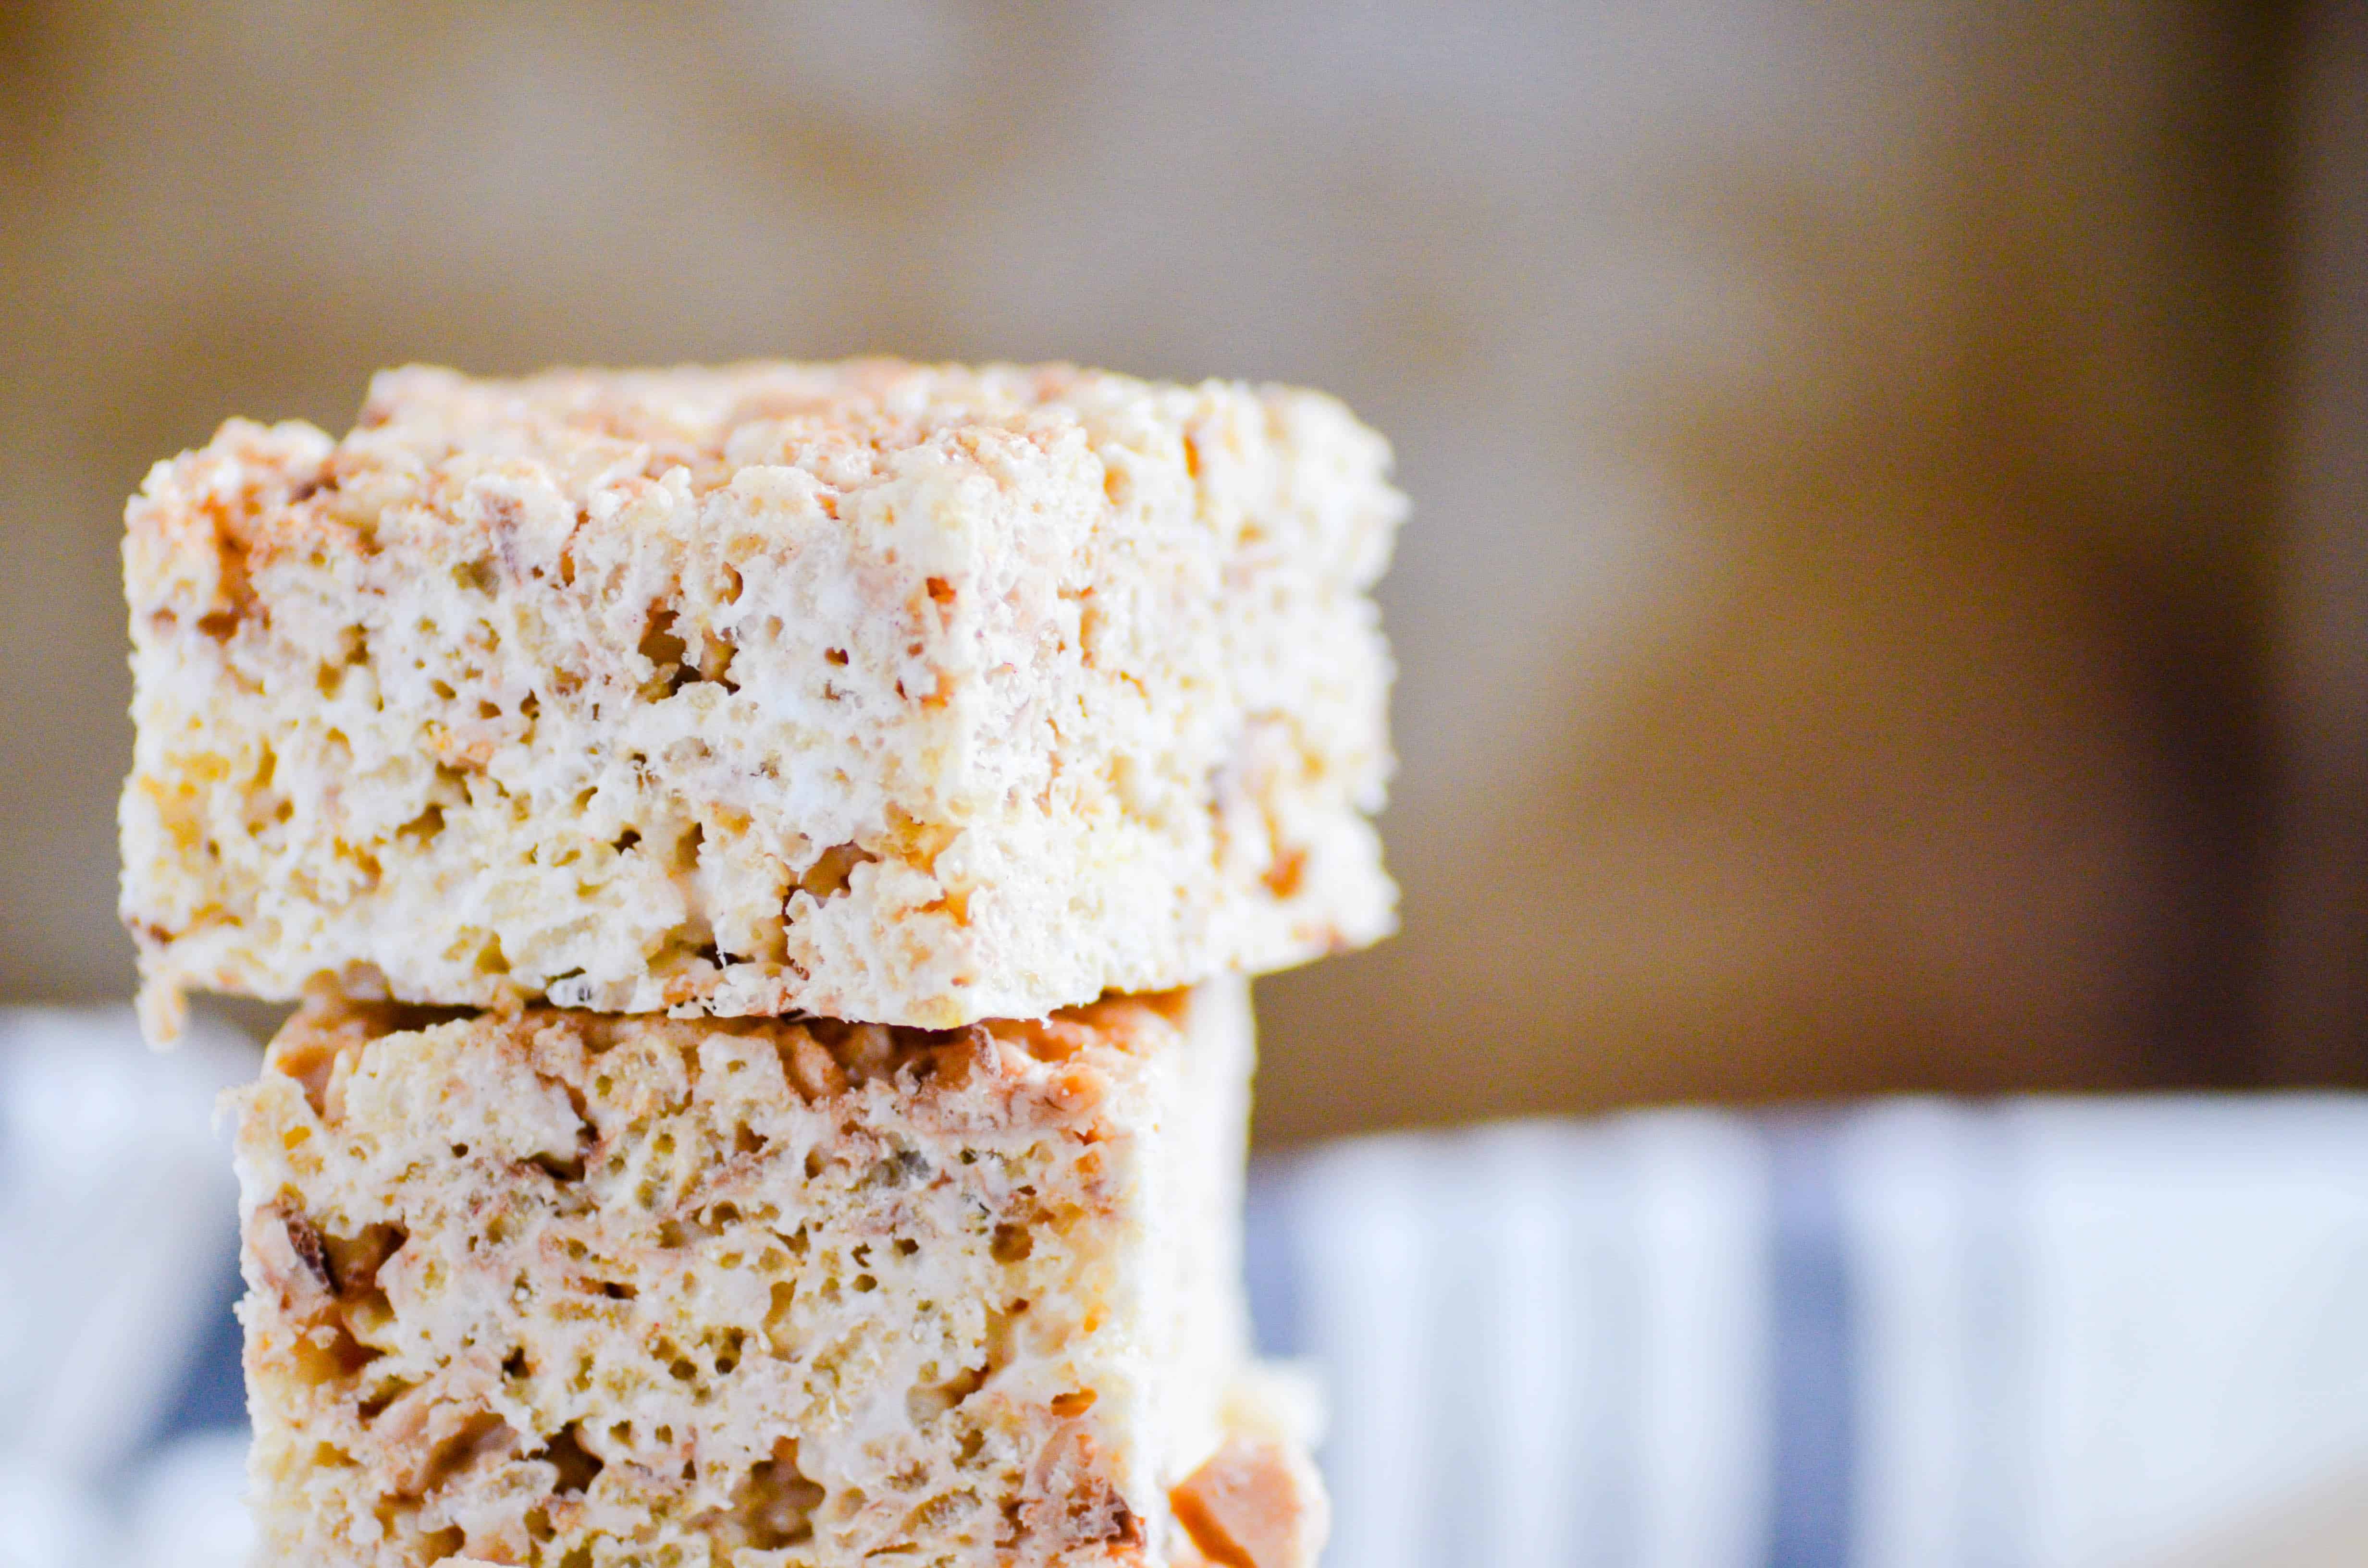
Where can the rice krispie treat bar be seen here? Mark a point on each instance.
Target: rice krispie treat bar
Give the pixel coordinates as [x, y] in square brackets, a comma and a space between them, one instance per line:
[916, 695]
[574, 1290]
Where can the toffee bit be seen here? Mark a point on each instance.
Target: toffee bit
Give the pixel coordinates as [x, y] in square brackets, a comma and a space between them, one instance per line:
[307, 1242]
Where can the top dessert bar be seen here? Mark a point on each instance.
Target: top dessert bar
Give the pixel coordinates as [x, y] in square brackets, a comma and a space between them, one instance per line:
[912, 695]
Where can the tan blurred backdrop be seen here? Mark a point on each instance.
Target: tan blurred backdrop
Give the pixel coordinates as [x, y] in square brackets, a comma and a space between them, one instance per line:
[1846, 624]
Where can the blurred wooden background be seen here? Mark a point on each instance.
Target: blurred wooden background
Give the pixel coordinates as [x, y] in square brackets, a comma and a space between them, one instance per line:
[1885, 605]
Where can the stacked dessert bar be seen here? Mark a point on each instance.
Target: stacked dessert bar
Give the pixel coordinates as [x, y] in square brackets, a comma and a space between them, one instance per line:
[771, 857]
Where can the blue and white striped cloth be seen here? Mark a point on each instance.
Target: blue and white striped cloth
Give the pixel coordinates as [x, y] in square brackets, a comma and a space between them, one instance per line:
[1912, 1334]
[2047, 1334]
[121, 1440]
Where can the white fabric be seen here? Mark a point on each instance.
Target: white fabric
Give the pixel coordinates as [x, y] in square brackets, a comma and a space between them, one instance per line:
[2079, 1335]
[118, 1213]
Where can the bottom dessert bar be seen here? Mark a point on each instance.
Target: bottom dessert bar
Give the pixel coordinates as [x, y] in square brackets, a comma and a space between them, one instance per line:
[578, 1290]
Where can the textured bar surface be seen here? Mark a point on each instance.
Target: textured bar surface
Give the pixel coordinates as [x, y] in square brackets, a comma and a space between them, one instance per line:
[572, 1291]
[868, 690]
